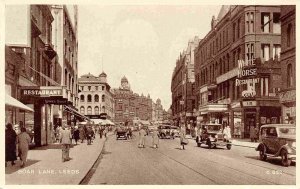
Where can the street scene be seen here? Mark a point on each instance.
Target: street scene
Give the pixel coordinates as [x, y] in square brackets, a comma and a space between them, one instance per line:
[150, 94]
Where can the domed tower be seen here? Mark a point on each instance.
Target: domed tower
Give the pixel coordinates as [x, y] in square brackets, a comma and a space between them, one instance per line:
[158, 101]
[124, 83]
[103, 77]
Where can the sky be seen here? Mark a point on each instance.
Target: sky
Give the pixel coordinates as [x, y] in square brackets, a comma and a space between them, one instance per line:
[141, 42]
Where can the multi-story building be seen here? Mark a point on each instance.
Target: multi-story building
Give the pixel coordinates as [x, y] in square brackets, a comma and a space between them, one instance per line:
[288, 63]
[130, 106]
[159, 111]
[95, 97]
[28, 34]
[237, 68]
[183, 86]
[65, 42]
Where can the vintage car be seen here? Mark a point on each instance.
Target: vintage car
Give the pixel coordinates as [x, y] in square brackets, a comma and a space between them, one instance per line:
[121, 132]
[277, 140]
[175, 131]
[164, 131]
[212, 135]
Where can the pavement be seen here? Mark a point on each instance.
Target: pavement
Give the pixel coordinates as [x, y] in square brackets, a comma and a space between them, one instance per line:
[237, 142]
[45, 166]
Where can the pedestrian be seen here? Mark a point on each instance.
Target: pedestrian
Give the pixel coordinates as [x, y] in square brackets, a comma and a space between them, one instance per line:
[252, 133]
[101, 131]
[256, 134]
[10, 144]
[89, 135]
[76, 134]
[65, 139]
[105, 132]
[23, 141]
[142, 134]
[81, 134]
[227, 132]
[155, 138]
[183, 140]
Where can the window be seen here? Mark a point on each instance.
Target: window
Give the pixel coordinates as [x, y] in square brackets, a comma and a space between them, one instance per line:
[103, 88]
[276, 51]
[238, 28]
[96, 88]
[249, 22]
[276, 23]
[65, 49]
[103, 109]
[89, 98]
[89, 110]
[89, 88]
[82, 110]
[96, 110]
[250, 53]
[289, 76]
[265, 22]
[289, 35]
[233, 32]
[81, 98]
[103, 98]
[96, 98]
[82, 87]
[265, 52]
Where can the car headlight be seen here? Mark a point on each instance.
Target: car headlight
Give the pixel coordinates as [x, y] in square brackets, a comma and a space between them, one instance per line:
[294, 144]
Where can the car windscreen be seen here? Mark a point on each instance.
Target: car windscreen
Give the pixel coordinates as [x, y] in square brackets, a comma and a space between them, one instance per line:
[213, 127]
[287, 131]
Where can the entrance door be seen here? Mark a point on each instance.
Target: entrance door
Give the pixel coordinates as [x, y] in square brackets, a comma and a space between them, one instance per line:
[250, 119]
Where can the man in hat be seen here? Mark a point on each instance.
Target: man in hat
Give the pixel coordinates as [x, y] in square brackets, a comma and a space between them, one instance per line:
[65, 140]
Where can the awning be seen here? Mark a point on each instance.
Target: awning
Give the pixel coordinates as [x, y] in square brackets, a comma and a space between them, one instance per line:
[10, 101]
[75, 112]
[97, 121]
[110, 122]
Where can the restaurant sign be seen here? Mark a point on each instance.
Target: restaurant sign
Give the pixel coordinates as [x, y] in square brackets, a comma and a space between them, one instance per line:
[246, 75]
[43, 91]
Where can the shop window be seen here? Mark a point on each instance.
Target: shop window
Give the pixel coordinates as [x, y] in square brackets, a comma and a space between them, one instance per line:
[89, 98]
[276, 23]
[289, 35]
[96, 110]
[89, 110]
[265, 22]
[82, 110]
[96, 98]
[81, 98]
[289, 75]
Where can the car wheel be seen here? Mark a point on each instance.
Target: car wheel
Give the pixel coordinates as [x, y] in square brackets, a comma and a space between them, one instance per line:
[284, 158]
[228, 146]
[262, 154]
[199, 144]
[209, 144]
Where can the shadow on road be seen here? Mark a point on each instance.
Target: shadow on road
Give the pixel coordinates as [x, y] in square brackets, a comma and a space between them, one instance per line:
[271, 160]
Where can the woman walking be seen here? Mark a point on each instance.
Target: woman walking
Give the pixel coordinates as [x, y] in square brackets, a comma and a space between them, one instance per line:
[10, 145]
[142, 134]
[182, 137]
[23, 141]
[155, 138]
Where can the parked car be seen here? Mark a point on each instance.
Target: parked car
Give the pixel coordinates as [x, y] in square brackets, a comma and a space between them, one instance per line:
[277, 140]
[212, 135]
[121, 132]
[151, 128]
[164, 131]
[175, 131]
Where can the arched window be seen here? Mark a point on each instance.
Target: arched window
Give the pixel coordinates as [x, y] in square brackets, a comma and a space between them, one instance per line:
[103, 109]
[81, 98]
[96, 110]
[89, 98]
[103, 98]
[289, 35]
[82, 110]
[96, 98]
[289, 75]
[89, 110]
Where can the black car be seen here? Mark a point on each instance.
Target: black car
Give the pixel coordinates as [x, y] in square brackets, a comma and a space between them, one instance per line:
[164, 131]
[121, 132]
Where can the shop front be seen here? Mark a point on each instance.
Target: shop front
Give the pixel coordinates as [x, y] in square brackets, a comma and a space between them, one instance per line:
[215, 113]
[287, 100]
[43, 99]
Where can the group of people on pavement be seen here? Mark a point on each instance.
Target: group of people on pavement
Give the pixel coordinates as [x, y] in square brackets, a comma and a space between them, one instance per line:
[142, 138]
[16, 145]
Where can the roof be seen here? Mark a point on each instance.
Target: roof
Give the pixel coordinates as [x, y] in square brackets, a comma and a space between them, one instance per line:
[224, 10]
[103, 74]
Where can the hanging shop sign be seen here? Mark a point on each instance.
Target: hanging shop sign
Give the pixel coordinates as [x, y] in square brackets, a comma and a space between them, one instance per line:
[246, 75]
